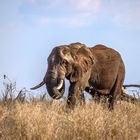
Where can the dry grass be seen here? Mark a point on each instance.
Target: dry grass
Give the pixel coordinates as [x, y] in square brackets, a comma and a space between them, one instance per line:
[46, 120]
[42, 119]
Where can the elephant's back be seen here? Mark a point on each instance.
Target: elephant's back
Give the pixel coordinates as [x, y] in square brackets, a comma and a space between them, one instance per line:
[105, 53]
[102, 48]
[99, 47]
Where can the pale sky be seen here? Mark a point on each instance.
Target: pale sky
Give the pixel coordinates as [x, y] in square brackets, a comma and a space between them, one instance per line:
[29, 29]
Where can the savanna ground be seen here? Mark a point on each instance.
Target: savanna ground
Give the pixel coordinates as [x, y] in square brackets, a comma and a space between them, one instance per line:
[44, 119]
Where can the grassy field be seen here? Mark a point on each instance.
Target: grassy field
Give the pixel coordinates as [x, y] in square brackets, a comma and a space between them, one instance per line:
[44, 119]
[50, 120]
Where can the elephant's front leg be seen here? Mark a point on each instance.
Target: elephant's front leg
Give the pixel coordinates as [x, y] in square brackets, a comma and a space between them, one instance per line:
[76, 95]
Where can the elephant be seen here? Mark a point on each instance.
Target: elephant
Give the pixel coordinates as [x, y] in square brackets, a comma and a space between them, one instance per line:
[97, 69]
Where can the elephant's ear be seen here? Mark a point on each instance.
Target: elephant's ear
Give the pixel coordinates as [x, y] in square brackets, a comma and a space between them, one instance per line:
[76, 73]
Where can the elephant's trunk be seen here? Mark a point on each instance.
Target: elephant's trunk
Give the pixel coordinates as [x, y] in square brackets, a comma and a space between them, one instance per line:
[55, 85]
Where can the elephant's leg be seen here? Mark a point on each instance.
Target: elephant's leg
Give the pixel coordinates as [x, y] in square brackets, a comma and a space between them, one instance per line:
[116, 91]
[73, 100]
[97, 97]
[76, 95]
[111, 103]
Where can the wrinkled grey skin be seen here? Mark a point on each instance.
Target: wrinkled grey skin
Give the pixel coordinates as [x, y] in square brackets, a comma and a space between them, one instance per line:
[58, 70]
[60, 66]
[98, 68]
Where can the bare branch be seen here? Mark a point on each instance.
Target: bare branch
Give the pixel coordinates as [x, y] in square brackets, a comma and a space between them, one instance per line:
[131, 85]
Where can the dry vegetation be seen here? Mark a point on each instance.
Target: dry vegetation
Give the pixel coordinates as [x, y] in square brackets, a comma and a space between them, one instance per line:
[51, 120]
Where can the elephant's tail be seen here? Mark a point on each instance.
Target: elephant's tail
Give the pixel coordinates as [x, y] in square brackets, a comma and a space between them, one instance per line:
[38, 86]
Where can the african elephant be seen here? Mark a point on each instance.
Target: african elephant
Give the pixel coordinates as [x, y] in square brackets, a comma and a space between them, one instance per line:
[98, 68]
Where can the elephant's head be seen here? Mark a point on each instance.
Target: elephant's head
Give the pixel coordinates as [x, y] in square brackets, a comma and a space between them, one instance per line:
[66, 61]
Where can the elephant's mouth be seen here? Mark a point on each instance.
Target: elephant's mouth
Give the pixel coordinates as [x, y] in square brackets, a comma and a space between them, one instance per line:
[60, 87]
[58, 90]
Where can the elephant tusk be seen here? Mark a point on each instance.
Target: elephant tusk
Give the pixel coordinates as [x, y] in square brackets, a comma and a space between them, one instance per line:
[38, 86]
[60, 85]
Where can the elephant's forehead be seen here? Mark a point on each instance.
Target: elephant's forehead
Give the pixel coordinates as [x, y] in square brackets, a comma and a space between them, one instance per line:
[59, 49]
[59, 53]
[54, 56]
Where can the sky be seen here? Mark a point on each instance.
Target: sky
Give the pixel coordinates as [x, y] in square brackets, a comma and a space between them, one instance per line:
[30, 29]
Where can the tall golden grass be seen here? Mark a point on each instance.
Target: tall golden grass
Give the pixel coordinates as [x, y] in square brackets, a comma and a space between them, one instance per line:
[51, 120]
[44, 119]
